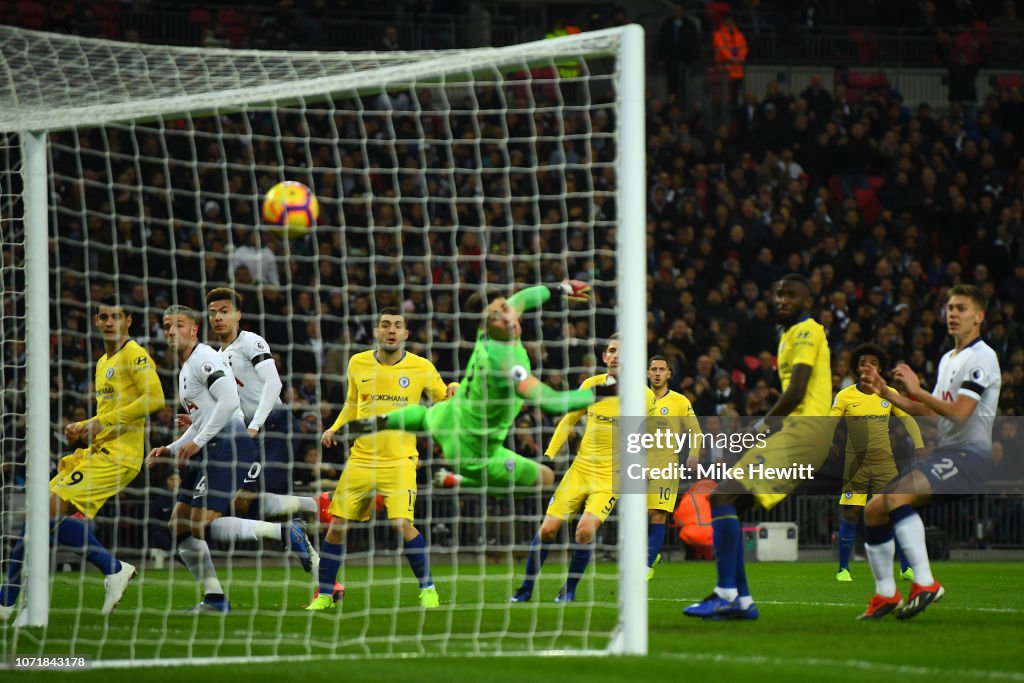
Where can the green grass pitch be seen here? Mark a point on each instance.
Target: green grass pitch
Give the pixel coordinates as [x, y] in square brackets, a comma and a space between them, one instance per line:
[807, 630]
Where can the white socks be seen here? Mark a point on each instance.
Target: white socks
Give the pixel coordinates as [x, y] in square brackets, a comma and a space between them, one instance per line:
[279, 505]
[729, 594]
[910, 533]
[237, 529]
[195, 553]
[880, 557]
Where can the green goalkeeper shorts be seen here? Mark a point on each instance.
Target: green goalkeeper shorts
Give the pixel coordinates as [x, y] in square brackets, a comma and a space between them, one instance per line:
[503, 469]
[482, 464]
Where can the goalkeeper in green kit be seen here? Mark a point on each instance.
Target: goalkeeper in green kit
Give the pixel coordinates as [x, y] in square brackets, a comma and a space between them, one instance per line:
[472, 426]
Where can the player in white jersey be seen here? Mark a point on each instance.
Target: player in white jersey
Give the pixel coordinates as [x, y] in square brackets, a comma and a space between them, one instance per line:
[259, 392]
[965, 399]
[217, 458]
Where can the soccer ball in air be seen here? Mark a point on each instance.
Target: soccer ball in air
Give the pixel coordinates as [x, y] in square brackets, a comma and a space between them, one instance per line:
[291, 208]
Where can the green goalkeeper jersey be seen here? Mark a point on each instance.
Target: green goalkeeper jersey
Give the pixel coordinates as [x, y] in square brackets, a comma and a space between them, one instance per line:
[489, 400]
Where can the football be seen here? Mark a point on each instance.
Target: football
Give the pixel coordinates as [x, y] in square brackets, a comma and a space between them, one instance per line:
[291, 208]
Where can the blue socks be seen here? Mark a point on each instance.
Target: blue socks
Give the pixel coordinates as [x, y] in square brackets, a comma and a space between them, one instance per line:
[331, 555]
[728, 544]
[330, 563]
[655, 539]
[535, 560]
[577, 565]
[742, 589]
[12, 586]
[847, 537]
[416, 554]
[75, 533]
[70, 531]
[539, 553]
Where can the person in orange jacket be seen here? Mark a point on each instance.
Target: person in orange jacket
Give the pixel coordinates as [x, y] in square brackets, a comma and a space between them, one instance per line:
[693, 517]
[730, 54]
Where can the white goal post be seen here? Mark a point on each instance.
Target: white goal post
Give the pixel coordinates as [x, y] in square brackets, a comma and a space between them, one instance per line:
[54, 83]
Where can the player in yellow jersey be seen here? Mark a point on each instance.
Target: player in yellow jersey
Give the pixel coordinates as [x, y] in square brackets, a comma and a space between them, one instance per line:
[806, 376]
[127, 390]
[677, 413]
[379, 382]
[588, 483]
[869, 460]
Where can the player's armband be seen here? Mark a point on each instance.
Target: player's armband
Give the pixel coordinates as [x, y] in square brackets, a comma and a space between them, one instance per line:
[213, 377]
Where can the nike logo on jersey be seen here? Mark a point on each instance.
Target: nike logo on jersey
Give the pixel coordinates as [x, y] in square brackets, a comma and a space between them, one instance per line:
[364, 380]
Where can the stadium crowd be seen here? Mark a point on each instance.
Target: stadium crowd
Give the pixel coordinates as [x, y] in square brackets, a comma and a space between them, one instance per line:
[882, 206]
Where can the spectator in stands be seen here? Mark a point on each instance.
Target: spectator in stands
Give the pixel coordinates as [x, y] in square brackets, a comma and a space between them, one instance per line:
[260, 260]
[214, 36]
[678, 49]
[962, 62]
[389, 41]
[819, 100]
[730, 47]
[313, 473]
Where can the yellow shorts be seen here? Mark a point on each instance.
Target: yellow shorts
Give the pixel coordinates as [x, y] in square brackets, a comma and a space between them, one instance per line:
[866, 478]
[783, 454]
[579, 488]
[87, 478]
[662, 494]
[356, 492]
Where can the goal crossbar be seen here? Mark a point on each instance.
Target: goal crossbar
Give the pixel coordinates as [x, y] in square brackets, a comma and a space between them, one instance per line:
[30, 102]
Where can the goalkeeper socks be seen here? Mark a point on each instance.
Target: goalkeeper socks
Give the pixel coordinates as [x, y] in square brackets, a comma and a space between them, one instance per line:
[880, 548]
[416, 554]
[195, 553]
[12, 586]
[75, 533]
[577, 565]
[409, 419]
[280, 505]
[726, 526]
[535, 560]
[847, 537]
[904, 563]
[238, 529]
[655, 539]
[909, 529]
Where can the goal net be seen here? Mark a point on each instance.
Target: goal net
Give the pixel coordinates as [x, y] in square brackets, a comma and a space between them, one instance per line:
[436, 173]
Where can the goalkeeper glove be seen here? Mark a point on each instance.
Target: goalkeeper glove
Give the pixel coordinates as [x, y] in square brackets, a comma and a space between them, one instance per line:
[609, 388]
[573, 290]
